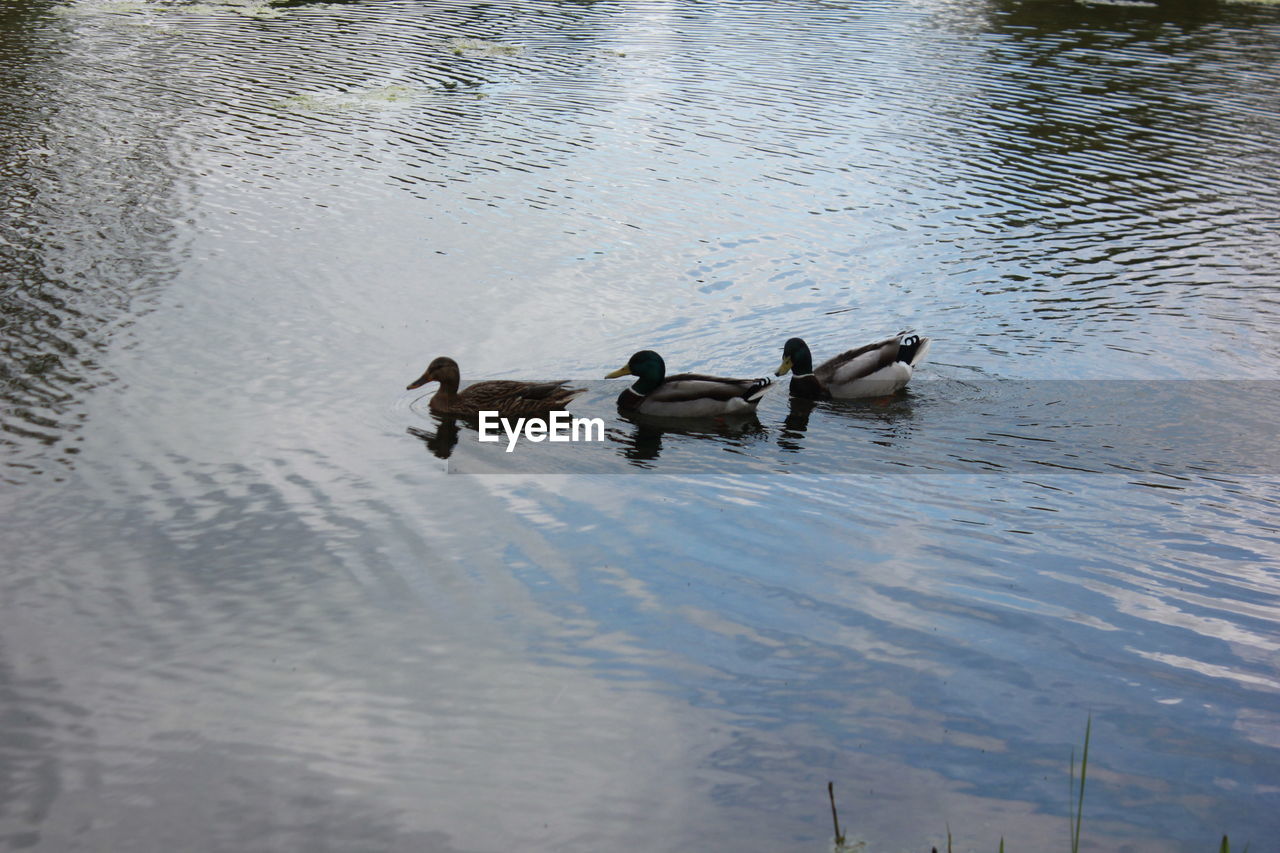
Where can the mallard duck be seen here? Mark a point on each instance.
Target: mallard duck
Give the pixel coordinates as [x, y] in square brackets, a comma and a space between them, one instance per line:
[870, 371]
[685, 395]
[507, 397]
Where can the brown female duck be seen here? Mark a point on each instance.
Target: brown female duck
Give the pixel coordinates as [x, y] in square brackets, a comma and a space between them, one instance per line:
[507, 397]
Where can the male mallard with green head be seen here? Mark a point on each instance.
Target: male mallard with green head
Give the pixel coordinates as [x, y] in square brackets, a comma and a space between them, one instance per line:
[685, 395]
[509, 398]
[873, 370]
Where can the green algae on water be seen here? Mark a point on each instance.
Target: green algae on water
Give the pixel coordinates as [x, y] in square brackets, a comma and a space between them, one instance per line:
[353, 100]
[480, 47]
[244, 8]
[109, 7]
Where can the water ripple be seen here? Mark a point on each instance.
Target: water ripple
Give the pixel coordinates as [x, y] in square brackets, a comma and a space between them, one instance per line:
[229, 228]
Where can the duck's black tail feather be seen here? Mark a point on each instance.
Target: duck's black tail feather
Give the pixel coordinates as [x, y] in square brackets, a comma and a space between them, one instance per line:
[757, 389]
[912, 348]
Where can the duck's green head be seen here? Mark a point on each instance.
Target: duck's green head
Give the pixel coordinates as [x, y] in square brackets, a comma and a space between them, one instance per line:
[647, 365]
[795, 356]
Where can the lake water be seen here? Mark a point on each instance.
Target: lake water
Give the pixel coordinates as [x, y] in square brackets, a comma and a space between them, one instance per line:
[255, 598]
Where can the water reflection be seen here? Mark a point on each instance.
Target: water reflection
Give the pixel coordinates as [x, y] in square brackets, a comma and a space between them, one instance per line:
[884, 421]
[1166, 430]
[1090, 128]
[636, 439]
[255, 612]
[796, 423]
[92, 198]
[643, 445]
[442, 440]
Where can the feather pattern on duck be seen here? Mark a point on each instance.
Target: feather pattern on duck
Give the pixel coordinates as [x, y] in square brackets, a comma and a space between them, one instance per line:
[508, 397]
[685, 395]
[874, 370]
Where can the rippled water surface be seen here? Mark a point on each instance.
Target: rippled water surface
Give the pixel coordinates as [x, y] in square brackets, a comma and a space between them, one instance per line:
[255, 597]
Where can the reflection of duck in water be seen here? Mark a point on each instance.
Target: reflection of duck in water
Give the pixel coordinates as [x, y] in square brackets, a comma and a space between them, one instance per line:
[874, 370]
[507, 397]
[443, 440]
[685, 395]
[795, 424]
[645, 444]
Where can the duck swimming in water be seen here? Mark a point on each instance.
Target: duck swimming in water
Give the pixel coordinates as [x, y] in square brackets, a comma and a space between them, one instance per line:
[874, 370]
[509, 398]
[685, 395]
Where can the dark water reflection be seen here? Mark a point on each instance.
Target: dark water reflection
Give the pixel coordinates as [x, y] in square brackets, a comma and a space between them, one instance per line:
[245, 605]
[1167, 430]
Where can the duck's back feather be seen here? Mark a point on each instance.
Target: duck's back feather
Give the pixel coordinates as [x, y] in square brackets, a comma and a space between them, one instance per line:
[857, 363]
[545, 390]
[697, 395]
[873, 370]
[694, 386]
[508, 397]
